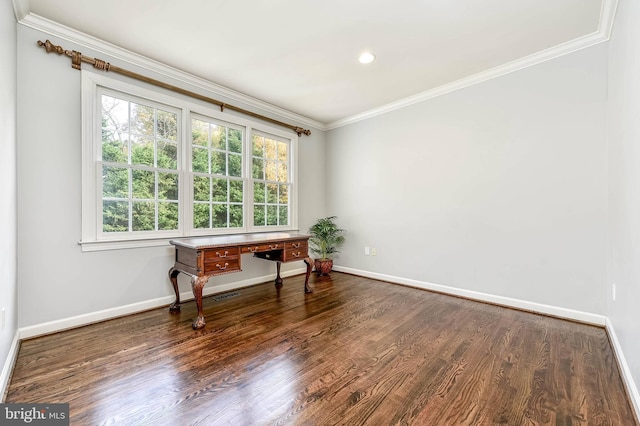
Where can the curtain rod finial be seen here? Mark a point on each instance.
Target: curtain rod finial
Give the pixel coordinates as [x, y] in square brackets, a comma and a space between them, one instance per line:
[50, 47]
[300, 131]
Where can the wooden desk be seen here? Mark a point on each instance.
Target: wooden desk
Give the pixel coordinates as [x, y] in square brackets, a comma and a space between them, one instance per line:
[204, 257]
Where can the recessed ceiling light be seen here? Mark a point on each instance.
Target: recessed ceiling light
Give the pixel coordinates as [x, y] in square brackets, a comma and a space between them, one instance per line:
[367, 58]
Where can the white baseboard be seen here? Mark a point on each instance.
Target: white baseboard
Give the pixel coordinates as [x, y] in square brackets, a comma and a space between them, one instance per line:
[93, 317]
[625, 371]
[555, 311]
[7, 369]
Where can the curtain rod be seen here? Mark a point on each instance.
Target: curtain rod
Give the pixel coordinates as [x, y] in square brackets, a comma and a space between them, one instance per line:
[76, 63]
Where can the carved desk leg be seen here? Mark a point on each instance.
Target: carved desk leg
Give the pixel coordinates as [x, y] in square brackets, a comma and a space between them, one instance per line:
[173, 277]
[278, 279]
[197, 284]
[309, 263]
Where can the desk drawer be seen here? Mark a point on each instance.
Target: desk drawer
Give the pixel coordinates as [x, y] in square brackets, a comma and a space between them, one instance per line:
[297, 245]
[222, 266]
[220, 254]
[262, 247]
[295, 250]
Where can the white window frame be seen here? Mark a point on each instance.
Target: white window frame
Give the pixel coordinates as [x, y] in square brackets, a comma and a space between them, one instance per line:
[93, 239]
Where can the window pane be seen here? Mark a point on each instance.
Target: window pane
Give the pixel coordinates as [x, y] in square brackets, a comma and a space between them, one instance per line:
[219, 190]
[270, 170]
[200, 133]
[258, 215]
[235, 165]
[219, 219]
[282, 152]
[218, 138]
[167, 155]
[167, 125]
[272, 215]
[259, 191]
[283, 215]
[270, 149]
[258, 146]
[283, 196]
[201, 189]
[115, 115]
[114, 149]
[282, 172]
[258, 168]
[235, 140]
[115, 216]
[168, 186]
[200, 215]
[200, 160]
[144, 216]
[143, 183]
[142, 119]
[167, 216]
[235, 216]
[272, 193]
[142, 151]
[115, 182]
[218, 162]
[235, 191]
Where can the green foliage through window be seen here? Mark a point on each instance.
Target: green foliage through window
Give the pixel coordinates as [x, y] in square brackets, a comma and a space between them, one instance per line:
[140, 182]
[218, 188]
[270, 170]
[235, 182]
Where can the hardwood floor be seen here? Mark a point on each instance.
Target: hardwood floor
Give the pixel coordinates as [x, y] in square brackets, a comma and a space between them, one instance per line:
[356, 351]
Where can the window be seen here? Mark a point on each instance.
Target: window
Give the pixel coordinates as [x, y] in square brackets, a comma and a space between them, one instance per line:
[271, 183]
[139, 166]
[218, 185]
[156, 167]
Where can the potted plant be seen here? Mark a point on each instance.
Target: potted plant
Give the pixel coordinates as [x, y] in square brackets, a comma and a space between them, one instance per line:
[325, 239]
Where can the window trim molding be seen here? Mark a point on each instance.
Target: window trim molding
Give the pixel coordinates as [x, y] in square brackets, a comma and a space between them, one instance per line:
[92, 239]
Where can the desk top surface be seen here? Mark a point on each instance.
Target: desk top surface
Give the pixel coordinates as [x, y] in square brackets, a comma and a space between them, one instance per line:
[236, 240]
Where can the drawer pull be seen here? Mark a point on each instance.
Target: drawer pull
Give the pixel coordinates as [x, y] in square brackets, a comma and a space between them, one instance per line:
[222, 268]
[226, 252]
[295, 254]
[253, 249]
[273, 246]
[296, 245]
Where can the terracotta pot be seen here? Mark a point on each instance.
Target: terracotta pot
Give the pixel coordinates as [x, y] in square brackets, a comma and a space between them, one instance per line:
[323, 266]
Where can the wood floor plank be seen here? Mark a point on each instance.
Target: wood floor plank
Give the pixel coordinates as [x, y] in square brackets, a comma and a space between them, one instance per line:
[356, 351]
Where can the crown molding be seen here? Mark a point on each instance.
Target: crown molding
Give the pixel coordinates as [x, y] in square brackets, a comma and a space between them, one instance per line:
[607, 16]
[21, 9]
[63, 32]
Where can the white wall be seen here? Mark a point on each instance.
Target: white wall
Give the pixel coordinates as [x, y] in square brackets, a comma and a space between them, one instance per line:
[498, 188]
[56, 279]
[8, 291]
[623, 137]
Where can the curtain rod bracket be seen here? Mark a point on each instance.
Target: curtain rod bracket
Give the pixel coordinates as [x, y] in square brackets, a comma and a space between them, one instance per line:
[78, 58]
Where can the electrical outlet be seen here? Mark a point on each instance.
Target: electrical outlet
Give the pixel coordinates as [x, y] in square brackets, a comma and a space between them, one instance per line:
[373, 251]
[366, 250]
[613, 292]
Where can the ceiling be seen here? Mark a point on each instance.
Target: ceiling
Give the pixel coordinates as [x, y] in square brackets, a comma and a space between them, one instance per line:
[303, 55]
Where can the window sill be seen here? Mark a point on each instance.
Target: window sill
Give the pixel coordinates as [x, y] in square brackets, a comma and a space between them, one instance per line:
[88, 246]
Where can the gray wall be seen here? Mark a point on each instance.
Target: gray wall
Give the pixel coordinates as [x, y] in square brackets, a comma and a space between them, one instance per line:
[8, 290]
[498, 188]
[56, 279]
[623, 134]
